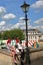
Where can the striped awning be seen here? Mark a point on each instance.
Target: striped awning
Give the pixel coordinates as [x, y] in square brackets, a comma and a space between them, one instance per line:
[30, 43]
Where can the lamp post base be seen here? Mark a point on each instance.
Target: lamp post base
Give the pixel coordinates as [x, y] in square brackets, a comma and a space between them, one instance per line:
[28, 62]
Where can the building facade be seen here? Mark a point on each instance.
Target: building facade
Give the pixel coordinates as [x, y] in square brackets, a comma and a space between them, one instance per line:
[34, 35]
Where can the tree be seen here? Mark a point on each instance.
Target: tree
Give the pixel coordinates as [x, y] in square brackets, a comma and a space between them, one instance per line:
[18, 33]
[13, 34]
[0, 36]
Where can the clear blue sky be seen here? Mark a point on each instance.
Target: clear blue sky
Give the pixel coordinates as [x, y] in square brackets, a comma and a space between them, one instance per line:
[11, 12]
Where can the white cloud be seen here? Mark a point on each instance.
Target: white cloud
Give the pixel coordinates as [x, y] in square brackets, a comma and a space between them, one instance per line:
[36, 27]
[9, 27]
[38, 4]
[2, 23]
[3, 28]
[16, 25]
[42, 27]
[23, 22]
[24, 26]
[21, 18]
[39, 24]
[39, 27]
[2, 11]
[6, 27]
[39, 21]
[29, 27]
[9, 16]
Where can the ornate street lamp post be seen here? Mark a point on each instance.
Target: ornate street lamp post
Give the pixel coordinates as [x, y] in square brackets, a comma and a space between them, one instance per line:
[25, 8]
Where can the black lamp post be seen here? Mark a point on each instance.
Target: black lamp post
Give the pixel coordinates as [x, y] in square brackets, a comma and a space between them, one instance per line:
[25, 8]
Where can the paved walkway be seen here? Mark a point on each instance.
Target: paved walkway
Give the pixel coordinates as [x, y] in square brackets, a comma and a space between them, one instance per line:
[37, 62]
[7, 60]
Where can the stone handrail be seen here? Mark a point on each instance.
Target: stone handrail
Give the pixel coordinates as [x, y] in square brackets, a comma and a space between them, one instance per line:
[32, 50]
[36, 49]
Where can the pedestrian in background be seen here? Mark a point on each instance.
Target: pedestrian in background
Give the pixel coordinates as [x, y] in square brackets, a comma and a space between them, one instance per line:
[22, 53]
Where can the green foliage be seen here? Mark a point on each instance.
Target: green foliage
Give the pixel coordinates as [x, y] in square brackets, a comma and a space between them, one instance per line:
[13, 34]
[0, 36]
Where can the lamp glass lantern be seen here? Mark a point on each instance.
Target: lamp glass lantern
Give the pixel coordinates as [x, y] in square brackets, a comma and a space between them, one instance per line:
[25, 7]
